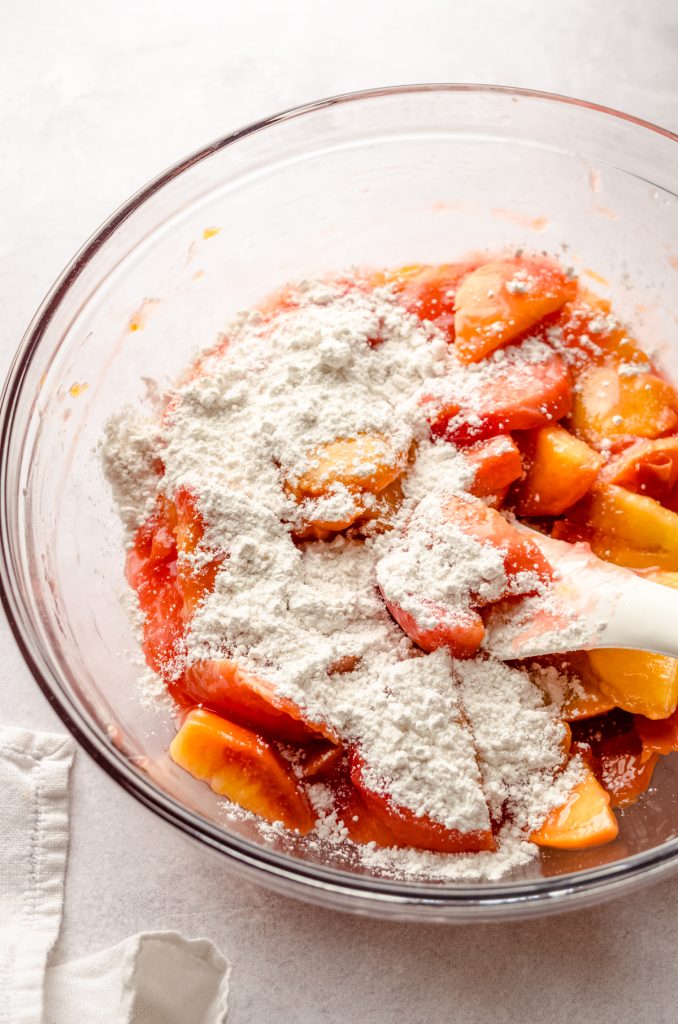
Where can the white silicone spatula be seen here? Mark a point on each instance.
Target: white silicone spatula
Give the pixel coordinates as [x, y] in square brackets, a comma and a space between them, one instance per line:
[590, 604]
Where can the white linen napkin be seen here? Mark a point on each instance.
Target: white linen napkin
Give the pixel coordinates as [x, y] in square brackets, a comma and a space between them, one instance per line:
[149, 978]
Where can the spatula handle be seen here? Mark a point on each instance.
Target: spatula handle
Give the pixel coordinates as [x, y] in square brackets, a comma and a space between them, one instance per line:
[643, 617]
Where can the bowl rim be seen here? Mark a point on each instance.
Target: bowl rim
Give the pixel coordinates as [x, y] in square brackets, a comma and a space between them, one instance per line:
[494, 899]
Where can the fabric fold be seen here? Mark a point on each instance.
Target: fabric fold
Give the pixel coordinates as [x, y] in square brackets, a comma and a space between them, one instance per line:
[148, 978]
[34, 772]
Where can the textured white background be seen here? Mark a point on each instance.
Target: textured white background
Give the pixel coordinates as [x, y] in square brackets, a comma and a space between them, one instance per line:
[95, 98]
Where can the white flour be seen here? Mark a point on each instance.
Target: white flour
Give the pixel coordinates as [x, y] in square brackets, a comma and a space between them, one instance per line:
[430, 567]
[424, 568]
[518, 741]
[341, 364]
[413, 740]
[128, 454]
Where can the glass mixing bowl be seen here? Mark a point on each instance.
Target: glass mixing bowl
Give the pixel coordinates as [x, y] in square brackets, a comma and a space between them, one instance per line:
[388, 177]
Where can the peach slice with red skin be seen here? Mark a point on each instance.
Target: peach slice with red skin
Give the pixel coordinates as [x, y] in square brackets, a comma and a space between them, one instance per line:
[499, 301]
[374, 817]
[194, 582]
[519, 397]
[488, 526]
[461, 630]
[151, 570]
[497, 464]
[251, 701]
[243, 766]
[649, 468]
[591, 335]
[430, 291]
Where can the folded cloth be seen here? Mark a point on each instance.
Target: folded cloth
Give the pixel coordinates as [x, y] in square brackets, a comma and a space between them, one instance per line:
[150, 978]
[34, 828]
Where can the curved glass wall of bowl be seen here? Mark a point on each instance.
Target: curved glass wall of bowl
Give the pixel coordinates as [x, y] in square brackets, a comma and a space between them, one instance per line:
[384, 178]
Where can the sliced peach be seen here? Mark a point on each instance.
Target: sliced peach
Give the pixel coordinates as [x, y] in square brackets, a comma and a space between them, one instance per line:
[154, 545]
[429, 291]
[367, 462]
[497, 464]
[461, 630]
[649, 468]
[520, 396]
[588, 330]
[163, 628]
[623, 771]
[499, 301]
[560, 471]
[657, 736]
[489, 527]
[640, 523]
[151, 571]
[364, 466]
[610, 407]
[363, 826]
[195, 580]
[240, 765]
[250, 701]
[574, 689]
[639, 681]
[584, 820]
[619, 552]
[382, 821]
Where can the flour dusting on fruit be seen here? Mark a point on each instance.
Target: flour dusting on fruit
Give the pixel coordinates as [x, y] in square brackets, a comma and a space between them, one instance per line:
[321, 523]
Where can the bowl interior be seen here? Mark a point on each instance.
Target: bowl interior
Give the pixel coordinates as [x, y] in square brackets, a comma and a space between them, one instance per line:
[386, 179]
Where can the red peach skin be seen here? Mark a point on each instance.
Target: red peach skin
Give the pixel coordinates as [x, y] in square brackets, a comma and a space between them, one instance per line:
[382, 821]
[462, 632]
[497, 464]
[250, 701]
[519, 397]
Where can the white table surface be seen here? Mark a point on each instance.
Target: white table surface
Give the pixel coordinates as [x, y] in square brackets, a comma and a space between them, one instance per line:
[95, 98]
